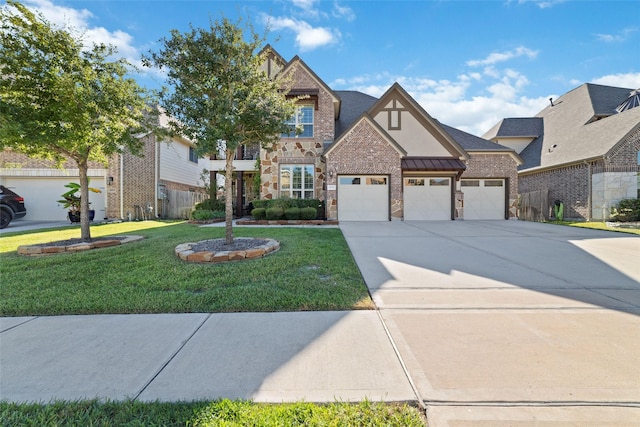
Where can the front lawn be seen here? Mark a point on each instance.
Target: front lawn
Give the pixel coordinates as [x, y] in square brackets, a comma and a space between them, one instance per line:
[313, 270]
[597, 226]
[203, 414]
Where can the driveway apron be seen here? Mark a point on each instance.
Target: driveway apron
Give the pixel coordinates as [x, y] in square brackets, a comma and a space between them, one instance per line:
[509, 322]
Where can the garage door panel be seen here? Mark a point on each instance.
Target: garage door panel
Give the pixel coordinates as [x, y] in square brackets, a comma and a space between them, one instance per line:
[41, 196]
[363, 198]
[483, 198]
[427, 198]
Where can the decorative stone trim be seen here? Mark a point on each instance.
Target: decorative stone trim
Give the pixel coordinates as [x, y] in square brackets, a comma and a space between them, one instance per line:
[186, 253]
[56, 248]
[286, 222]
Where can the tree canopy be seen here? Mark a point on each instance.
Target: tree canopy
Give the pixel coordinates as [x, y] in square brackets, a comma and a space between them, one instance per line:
[219, 96]
[60, 99]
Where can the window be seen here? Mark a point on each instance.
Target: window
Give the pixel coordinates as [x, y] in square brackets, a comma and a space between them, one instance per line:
[470, 183]
[414, 182]
[493, 183]
[377, 181]
[349, 181]
[296, 181]
[439, 182]
[193, 156]
[302, 120]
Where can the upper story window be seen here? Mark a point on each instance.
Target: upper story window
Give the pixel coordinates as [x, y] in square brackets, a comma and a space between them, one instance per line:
[193, 156]
[302, 120]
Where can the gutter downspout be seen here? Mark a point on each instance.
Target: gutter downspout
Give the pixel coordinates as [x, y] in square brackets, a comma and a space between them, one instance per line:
[156, 178]
[122, 186]
[589, 190]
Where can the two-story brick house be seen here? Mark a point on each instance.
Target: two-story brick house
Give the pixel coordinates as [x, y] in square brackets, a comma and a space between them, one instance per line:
[382, 159]
[131, 186]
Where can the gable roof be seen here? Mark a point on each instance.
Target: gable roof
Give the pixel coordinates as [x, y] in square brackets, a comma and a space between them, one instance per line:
[297, 60]
[354, 103]
[522, 127]
[428, 122]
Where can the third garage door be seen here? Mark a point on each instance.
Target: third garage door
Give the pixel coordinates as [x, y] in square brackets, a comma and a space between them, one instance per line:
[483, 198]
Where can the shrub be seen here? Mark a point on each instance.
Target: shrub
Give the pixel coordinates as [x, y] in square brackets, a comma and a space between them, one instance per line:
[308, 213]
[259, 213]
[206, 214]
[260, 204]
[211, 204]
[626, 210]
[292, 213]
[274, 213]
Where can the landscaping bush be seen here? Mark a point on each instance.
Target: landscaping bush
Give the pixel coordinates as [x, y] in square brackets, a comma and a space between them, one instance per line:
[206, 214]
[211, 204]
[292, 213]
[260, 204]
[259, 213]
[275, 213]
[308, 213]
[626, 210]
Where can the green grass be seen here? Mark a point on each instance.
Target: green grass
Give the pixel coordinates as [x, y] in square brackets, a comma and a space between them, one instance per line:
[313, 270]
[201, 414]
[596, 226]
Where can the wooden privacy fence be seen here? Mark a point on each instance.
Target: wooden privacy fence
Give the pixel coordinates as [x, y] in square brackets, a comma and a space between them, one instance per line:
[534, 206]
[179, 204]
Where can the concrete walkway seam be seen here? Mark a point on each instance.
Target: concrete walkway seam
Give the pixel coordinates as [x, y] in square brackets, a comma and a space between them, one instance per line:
[420, 401]
[175, 353]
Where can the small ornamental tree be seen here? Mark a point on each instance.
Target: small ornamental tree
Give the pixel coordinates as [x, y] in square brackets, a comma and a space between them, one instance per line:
[60, 100]
[219, 96]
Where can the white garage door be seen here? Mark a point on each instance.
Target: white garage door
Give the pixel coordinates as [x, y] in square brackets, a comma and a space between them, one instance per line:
[483, 198]
[363, 198]
[427, 198]
[41, 196]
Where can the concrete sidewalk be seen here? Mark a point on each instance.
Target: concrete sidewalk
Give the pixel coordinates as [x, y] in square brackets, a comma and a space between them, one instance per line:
[267, 357]
[510, 323]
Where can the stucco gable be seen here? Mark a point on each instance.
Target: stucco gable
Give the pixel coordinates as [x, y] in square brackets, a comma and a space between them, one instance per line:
[412, 127]
[367, 121]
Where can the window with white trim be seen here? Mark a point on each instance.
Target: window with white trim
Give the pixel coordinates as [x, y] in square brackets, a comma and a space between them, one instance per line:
[296, 181]
[303, 121]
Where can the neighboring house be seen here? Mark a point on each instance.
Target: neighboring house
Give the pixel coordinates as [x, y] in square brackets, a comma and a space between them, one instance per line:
[380, 159]
[165, 181]
[581, 150]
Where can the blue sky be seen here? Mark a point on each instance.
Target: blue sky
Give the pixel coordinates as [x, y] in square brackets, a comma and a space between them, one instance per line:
[468, 63]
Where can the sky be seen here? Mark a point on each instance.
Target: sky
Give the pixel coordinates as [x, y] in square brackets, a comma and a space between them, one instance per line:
[468, 63]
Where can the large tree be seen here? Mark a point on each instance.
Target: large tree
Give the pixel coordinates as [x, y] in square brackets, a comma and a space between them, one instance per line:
[219, 96]
[61, 100]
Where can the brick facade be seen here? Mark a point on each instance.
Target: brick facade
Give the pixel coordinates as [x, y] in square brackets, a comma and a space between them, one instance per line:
[364, 151]
[571, 184]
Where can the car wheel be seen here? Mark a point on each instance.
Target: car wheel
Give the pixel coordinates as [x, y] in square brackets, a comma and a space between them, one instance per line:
[5, 219]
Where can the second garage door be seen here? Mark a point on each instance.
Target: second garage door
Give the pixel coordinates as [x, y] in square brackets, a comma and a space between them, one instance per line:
[363, 198]
[427, 198]
[483, 198]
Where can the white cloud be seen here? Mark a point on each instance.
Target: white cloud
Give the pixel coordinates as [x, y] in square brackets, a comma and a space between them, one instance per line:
[542, 4]
[468, 102]
[497, 57]
[78, 22]
[619, 37]
[630, 80]
[307, 37]
[344, 12]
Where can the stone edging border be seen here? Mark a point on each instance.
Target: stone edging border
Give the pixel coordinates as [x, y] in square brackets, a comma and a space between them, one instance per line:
[185, 252]
[76, 247]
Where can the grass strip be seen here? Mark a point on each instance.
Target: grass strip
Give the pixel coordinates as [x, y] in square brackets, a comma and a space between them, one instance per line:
[596, 226]
[313, 270]
[203, 414]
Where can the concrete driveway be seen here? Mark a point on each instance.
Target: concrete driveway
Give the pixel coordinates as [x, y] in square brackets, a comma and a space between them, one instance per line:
[508, 322]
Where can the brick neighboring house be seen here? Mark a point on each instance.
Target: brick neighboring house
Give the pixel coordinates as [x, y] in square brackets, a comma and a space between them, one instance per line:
[581, 150]
[380, 159]
[131, 186]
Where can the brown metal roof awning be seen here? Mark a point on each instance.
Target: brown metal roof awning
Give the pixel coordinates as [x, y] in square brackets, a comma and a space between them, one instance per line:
[433, 164]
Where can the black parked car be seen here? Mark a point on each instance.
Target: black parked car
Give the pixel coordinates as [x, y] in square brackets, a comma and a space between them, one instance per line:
[11, 206]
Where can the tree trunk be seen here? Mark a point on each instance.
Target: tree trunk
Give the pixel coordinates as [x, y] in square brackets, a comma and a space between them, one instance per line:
[85, 231]
[228, 197]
